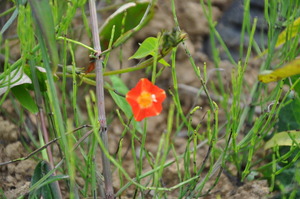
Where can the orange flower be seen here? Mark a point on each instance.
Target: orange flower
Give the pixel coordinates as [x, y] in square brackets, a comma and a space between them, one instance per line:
[145, 99]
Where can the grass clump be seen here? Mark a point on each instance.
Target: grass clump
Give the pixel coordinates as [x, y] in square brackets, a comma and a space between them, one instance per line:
[169, 155]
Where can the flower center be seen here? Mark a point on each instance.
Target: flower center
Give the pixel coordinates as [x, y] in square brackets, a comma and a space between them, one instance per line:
[145, 99]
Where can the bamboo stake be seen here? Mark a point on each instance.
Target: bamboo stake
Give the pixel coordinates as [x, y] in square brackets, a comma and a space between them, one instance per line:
[109, 193]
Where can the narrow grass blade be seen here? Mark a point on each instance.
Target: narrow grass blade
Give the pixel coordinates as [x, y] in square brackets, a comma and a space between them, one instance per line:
[42, 14]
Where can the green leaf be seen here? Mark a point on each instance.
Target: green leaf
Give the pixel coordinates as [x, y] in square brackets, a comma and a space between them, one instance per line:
[52, 179]
[44, 188]
[134, 13]
[146, 48]
[284, 179]
[41, 75]
[289, 116]
[121, 101]
[23, 96]
[283, 139]
[164, 62]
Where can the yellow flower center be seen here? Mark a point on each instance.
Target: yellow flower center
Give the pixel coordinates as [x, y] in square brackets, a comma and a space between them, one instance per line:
[145, 99]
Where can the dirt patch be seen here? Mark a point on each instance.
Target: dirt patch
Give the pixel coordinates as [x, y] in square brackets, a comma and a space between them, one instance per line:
[15, 178]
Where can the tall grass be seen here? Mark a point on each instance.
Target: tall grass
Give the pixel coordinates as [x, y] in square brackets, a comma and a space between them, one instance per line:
[75, 116]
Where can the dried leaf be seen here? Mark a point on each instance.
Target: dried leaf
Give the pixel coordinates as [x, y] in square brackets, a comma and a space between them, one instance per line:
[290, 32]
[290, 69]
[18, 77]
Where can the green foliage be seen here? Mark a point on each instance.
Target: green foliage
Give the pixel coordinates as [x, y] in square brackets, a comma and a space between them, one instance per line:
[45, 26]
[230, 126]
[41, 77]
[148, 47]
[12, 17]
[23, 96]
[287, 125]
[172, 38]
[295, 81]
[43, 182]
[125, 19]
[285, 138]
[289, 116]
[287, 185]
[286, 144]
[2, 194]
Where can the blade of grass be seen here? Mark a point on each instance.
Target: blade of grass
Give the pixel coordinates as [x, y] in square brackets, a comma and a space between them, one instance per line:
[46, 34]
[45, 24]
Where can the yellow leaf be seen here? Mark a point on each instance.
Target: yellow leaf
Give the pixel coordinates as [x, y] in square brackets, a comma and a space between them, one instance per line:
[290, 32]
[283, 139]
[290, 69]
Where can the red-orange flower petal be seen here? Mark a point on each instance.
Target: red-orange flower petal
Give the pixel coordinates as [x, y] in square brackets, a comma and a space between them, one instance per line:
[145, 99]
